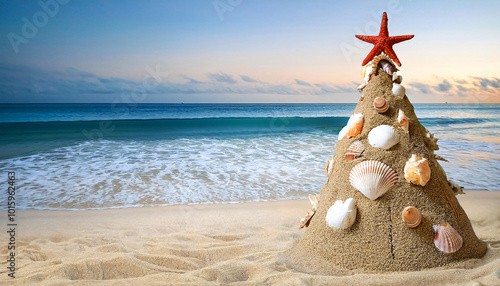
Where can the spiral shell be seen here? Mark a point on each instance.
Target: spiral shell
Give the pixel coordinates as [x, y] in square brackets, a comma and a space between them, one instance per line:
[342, 214]
[354, 150]
[330, 164]
[372, 178]
[411, 216]
[383, 136]
[381, 105]
[403, 121]
[446, 238]
[417, 170]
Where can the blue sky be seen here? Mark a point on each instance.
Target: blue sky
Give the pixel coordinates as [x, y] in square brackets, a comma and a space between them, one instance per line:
[241, 50]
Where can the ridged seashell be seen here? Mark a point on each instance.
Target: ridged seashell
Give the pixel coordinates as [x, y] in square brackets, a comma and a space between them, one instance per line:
[314, 202]
[417, 170]
[411, 216]
[330, 164]
[446, 238]
[403, 120]
[398, 89]
[354, 125]
[342, 214]
[372, 178]
[383, 136]
[354, 150]
[381, 105]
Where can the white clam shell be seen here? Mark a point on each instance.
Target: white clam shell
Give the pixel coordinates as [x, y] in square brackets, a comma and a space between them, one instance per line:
[383, 136]
[398, 89]
[372, 178]
[342, 214]
[446, 238]
[342, 133]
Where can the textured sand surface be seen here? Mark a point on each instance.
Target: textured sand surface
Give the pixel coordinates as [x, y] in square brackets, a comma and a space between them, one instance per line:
[241, 244]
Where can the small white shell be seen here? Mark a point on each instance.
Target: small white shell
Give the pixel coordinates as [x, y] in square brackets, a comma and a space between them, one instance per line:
[329, 165]
[372, 178]
[398, 89]
[417, 170]
[354, 150]
[446, 238]
[383, 136]
[342, 214]
[397, 78]
[355, 125]
[310, 213]
[403, 121]
[342, 133]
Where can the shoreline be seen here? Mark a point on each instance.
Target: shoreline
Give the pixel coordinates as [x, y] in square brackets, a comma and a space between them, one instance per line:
[240, 243]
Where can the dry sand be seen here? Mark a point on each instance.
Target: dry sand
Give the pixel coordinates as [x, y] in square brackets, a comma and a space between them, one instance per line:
[208, 245]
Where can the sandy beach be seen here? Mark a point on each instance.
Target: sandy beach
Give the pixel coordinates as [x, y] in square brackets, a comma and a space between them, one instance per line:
[239, 244]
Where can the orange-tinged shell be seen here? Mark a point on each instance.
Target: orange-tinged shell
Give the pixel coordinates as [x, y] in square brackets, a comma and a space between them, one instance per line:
[417, 170]
[403, 121]
[354, 150]
[372, 178]
[355, 125]
[411, 216]
[446, 238]
[381, 105]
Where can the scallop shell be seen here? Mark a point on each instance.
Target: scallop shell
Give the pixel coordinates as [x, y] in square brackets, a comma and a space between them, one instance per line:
[383, 136]
[398, 89]
[342, 214]
[372, 178]
[381, 105]
[417, 170]
[446, 238]
[411, 216]
[354, 150]
[403, 120]
[314, 202]
[330, 164]
[354, 125]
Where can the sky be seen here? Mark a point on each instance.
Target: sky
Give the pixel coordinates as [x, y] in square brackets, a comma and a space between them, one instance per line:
[241, 51]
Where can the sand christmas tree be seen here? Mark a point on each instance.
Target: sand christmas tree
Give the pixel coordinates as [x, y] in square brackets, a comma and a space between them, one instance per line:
[387, 204]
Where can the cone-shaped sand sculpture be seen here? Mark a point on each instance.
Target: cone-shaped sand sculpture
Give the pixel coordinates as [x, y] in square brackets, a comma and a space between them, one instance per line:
[387, 204]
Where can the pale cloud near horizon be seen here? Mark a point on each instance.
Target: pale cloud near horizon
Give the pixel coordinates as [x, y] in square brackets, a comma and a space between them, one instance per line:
[27, 84]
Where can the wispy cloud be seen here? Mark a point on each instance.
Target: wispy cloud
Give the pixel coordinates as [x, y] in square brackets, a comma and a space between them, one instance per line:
[28, 84]
[303, 83]
[222, 77]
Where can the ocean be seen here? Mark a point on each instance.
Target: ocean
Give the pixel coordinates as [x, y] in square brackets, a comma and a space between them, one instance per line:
[97, 156]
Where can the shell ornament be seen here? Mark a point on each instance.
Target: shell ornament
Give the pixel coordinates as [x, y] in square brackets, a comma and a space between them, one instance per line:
[446, 238]
[342, 214]
[380, 104]
[372, 178]
[417, 170]
[354, 150]
[383, 136]
[411, 216]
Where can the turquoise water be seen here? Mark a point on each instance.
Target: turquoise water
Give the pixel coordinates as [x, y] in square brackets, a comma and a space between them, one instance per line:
[80, 156]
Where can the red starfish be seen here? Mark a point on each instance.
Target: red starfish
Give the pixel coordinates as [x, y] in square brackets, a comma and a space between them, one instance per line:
[383, 43]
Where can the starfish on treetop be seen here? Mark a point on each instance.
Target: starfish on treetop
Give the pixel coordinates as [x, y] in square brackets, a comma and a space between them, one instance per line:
[383, 43]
